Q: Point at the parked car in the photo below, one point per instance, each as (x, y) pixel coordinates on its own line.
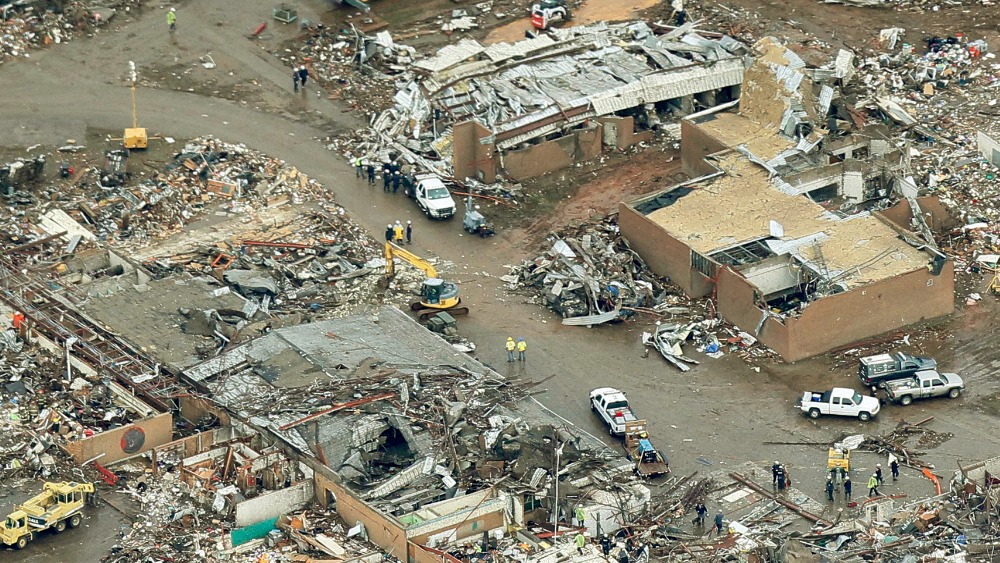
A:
(613, 408)
(839, 401)
(878, 369)
(924, 385)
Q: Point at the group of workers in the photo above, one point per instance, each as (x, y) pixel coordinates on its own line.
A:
(701, 512)
(396, 232)
(392, 174)
(521, 346)
(781, 480)
(780, 477)
(625, 552)
(299, 76)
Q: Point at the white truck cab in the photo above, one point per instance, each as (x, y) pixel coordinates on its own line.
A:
(433, 197)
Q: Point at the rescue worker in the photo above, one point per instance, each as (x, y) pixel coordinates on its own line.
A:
(386, 178)
(398, 231)
(829, 489)
(295, 80)
(521, 347)
(774, 473)
(172, 20)
(718, 522)
(409, 232)
(388, 233)
(359, 168)
(781, 477)
(701, 512)
(873, 486)
(371, 174)
(580, 542)
(847, 488)
(878, 472)
(396, 179)
(303, 75)
(605, 545)
(894, 467)
(510, 349)
(580, 515)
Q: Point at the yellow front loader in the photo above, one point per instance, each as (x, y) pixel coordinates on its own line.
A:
(58, 505)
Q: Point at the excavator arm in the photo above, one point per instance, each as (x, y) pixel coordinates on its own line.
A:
(392, 251)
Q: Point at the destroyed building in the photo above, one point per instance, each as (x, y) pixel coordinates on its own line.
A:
(419, 442)
(782, 227)
(541, 104)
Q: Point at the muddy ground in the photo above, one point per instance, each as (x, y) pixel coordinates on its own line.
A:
(720, 414)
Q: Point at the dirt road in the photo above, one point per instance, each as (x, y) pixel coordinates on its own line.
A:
(719, 414)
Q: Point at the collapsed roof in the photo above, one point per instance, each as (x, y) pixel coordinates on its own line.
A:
(530, 88)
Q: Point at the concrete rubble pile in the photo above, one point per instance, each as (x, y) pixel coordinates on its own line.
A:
(591, 276)
(133, 214)
(940, 93)
(189, 514)
(40, 411)
(26, 26)
(313, 264)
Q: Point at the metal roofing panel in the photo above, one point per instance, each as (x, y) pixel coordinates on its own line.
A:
(669, 85)
(451, 55)
(503, 51)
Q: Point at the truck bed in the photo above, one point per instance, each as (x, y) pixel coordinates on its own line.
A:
(652, 469)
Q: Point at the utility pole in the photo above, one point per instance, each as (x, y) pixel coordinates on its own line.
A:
(555, 510)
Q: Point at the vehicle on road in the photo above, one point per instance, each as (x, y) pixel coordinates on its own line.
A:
(58, 505)
(877, 370)
(839, 401)
(436, 295)
(613, 408)
(925, 384)
(431, 195)
(649, 462)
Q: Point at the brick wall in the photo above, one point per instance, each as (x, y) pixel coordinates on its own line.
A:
(470, 156)
(549, 156)
(663, 254)
(844, 318)
(121, 443)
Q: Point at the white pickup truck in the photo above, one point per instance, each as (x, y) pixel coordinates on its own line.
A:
(432, 196)
(613, 408)
(839, 401)
(923, 385)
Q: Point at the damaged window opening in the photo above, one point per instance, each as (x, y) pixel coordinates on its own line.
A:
(824, 194)
(743, 254)
(703, 265)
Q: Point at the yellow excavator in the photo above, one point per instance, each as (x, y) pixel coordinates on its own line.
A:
(436, 294)
(58, 505)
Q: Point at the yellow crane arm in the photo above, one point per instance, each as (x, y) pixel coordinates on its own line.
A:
(392, 251)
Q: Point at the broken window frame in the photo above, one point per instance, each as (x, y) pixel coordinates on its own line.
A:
(706, 266)
(741, 254)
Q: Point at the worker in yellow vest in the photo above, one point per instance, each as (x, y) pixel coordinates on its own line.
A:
(521, 347)
(510, 348)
